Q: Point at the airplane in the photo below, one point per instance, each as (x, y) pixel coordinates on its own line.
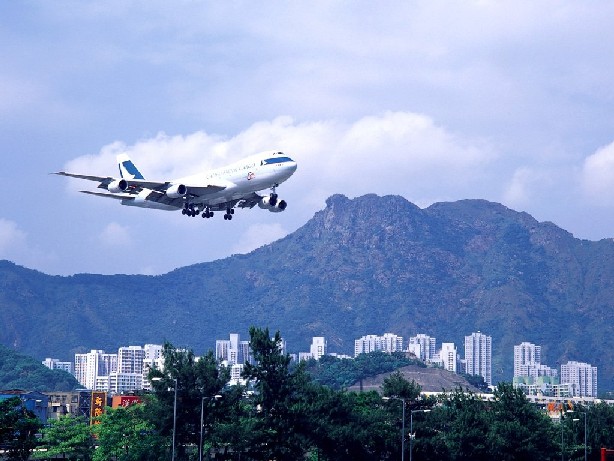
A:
(222, 189)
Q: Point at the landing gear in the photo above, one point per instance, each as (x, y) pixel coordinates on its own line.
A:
(207, 213)
(273, 196)
(189, 210)
(229, 213)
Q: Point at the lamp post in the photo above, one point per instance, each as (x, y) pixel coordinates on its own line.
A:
(584, 414)
(174, 414)
(174, 419)
(411, 429)
(202, 421)
(402, 425)
(562, 441)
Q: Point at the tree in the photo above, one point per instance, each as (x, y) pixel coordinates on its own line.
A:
(69, 437)
(396, 385)
(518, 428)
(508, 428)
(278, 421)
(127, 434)
(18, 428)
(195, 380)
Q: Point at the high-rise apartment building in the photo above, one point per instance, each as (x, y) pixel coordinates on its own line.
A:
(129, 373)
(92, 365)
(582, 378)
(423, 346)
(448, 356)
(526, 355)
(478, 356)
(130, 359)
(318, 347)
(530, 373)
(233, 350)
(55, 364)
(153, 359)
(389, 342)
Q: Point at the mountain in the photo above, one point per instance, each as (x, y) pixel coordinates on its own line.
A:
(360, 266)
(18, 371)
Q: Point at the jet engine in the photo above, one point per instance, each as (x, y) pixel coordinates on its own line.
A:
(176, 191)
(271, 203)
(117, 186)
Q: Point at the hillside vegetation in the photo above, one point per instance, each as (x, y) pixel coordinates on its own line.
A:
(360, 266)
(18, 371)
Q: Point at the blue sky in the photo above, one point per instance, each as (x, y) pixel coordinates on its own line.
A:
(435, 101)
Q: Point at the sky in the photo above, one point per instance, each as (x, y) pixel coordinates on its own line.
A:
(435, 101)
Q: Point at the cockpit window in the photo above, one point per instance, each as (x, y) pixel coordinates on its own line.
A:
(276, 160)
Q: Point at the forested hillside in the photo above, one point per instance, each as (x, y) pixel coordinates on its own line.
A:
(18, 371)
(363, 266)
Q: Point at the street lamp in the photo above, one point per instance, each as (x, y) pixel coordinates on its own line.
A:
(402, 426)
(584, 414)
(562, 441)
(411, 428)
(174, 414)
(202, 415)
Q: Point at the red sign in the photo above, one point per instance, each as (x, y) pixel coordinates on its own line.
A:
(125, 400)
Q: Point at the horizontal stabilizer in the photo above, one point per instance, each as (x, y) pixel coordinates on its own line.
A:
(109, 195)
(84, 176)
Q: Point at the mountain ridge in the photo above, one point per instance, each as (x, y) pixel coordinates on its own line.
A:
(360, 266)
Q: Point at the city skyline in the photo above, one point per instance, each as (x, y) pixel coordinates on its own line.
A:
(128, 368)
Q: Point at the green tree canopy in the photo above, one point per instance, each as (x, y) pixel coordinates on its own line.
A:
(69, 437)
(196, 383)
(18, 428)
(128, 434)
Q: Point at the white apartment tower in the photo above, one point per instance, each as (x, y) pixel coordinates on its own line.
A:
(526, 354)
(527, 362)
(153, 359)
(129, 373)
(478, 355)
(318, 347)
(426, 348)
(389, 342)
(233, 350)
(55, 364)
(582, 378)
(448, 356)
(92, 365)
(130, 359)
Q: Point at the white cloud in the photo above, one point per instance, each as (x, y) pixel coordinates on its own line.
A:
(12, 239)
(598, 175)
(521, 189)
(258, 235)
(395, 152)
(115, 234)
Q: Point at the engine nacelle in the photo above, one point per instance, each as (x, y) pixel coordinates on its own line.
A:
(176, 191)
(280, 206)
(272, 204)
(117, 186)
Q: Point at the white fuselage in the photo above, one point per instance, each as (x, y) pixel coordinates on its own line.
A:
(252, 174)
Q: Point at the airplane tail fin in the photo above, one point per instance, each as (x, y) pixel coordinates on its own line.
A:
(127, 169)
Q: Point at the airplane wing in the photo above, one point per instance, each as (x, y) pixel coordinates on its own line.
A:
(249, 201)
(137, 185)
